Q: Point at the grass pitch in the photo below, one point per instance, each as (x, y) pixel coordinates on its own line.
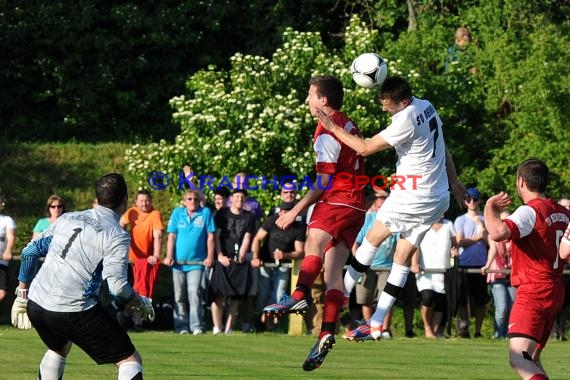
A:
(263, 356)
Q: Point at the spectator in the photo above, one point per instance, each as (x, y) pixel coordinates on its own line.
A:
(372, 283)
(503, 293)
(434, 259)
(53, 209)
(472, 241)
(272, 244)
(221, 196)
(454, 52)
(190, 248)
(146, 243)
(241, 181)
(289, 194)
(232, 275)
(7, 240)
(535, 229)
(251, 204)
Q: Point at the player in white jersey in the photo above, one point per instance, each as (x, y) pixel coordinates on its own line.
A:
(81, 249)
(424, 173)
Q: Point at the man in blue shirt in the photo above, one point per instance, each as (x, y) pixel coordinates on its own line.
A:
(189, 250)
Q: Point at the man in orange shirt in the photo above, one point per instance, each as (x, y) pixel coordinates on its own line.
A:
(146, 237)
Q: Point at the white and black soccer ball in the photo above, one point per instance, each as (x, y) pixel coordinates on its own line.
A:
(369, 70)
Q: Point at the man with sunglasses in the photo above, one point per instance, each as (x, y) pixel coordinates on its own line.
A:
(472, 241)
(190, 248)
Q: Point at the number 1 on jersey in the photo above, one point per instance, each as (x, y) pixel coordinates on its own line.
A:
(76, 232)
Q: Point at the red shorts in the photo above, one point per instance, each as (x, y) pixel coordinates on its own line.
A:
(535, 310)
(342, 222)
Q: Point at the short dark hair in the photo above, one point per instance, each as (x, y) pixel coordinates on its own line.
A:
(329, 87)
(535, 174)
(222, 191)
(243, 191)
(111, 190)
(396, 89)
(144, 192)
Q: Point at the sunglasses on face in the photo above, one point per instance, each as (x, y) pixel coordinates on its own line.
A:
(55, 206)
(469, 199)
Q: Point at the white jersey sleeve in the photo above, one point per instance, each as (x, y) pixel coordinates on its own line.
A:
(83, 248)
(524, 218)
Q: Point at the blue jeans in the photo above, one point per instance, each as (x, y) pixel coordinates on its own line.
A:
(503, 298)
(273, 283)
(188, 300)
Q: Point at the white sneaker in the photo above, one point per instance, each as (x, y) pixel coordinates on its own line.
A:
(183, 332)
(197, 332)
(216, 330)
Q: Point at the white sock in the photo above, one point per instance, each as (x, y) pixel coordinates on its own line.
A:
(364, 255)
(397, 277)
(128, 370)
(52, 366)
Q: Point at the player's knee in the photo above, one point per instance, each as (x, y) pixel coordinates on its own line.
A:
(518, 358)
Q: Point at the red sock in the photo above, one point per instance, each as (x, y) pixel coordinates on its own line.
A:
(334, 299)
(308, 272)
(538, 376)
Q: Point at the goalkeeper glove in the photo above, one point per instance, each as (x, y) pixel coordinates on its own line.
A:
(20, 310)
(142, 307)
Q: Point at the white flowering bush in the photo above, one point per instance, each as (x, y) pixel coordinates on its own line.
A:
(253, 118)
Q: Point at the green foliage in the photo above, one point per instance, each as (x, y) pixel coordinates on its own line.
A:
(104, 70)
(253, 118)
(502, 99)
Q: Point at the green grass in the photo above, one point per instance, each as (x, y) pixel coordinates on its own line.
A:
(264, 356)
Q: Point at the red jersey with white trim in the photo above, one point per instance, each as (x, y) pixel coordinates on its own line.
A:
(536, 230)
(342, 162)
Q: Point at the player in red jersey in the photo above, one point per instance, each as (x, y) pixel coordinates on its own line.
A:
(336, 219)
(535, 229)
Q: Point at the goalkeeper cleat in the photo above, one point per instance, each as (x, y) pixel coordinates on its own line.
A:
(287, 305)
(364, 332)
(319, 352)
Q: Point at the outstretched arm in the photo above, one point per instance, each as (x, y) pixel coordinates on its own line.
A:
(457, 187)
(498, 230)
(364, 147)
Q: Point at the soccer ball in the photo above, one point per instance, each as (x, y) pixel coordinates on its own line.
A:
(369, 70)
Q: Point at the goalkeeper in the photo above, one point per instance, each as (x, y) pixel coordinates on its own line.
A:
(81, 249)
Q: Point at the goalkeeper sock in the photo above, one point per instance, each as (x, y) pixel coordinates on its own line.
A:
(130, 371)
(51, 366)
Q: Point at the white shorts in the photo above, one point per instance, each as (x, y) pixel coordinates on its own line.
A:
(431, 281)
(412, 219)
